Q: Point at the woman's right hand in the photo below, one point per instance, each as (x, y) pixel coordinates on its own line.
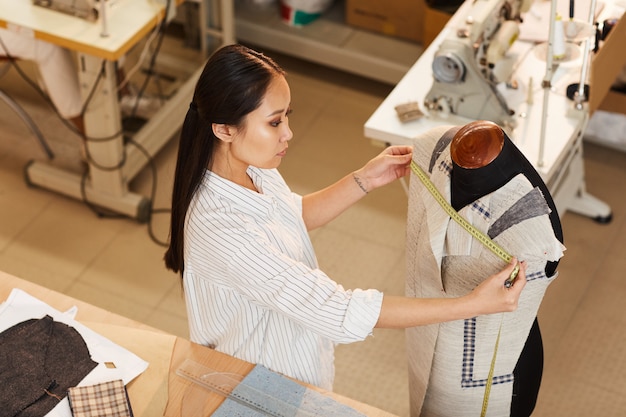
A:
(492, 295)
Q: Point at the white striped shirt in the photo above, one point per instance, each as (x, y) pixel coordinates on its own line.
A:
(252, 284)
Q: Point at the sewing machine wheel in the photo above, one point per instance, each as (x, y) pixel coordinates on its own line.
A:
(448, 68)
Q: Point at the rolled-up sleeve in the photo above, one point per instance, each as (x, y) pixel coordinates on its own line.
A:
(363, 312)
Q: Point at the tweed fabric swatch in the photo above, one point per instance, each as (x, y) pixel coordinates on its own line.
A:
(107, 399)
(39, 360)
(449, 363)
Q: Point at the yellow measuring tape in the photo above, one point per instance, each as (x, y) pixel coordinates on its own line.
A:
(485, 240)
(481, 237)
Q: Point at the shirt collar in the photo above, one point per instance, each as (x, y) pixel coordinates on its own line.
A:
(245, 199)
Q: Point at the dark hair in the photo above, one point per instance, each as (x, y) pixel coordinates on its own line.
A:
(232, 84)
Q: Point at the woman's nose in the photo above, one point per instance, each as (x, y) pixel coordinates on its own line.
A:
(288, 134)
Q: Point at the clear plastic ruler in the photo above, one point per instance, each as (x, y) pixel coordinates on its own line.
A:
(225, 383)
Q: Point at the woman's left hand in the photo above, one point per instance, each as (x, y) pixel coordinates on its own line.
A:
(391, 164)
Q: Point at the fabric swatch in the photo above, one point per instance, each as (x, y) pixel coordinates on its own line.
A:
(39, 360)
(107, 399)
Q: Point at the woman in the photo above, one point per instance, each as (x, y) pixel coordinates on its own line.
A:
(239, 235)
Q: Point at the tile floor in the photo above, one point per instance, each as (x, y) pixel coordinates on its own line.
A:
(113, 262)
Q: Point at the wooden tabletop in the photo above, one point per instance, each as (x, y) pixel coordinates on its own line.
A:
(128, 21)
(158, 391)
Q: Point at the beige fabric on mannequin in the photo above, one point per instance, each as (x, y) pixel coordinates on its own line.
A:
(449, 362)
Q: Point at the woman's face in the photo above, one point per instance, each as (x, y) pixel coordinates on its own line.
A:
(263, 140)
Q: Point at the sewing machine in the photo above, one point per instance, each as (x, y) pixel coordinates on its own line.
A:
(85, 9)
(469, 64)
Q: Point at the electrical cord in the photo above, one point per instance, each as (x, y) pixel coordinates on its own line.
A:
(150, 72)
(141, 59)
(99, 211)
(46, 98)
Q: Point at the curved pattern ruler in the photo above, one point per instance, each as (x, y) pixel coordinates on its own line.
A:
(231, 386)
(263, 393)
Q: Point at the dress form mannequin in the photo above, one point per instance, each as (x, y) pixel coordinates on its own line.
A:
(484, 159)
(489, 181)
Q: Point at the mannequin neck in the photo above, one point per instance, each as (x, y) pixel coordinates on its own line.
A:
(470, 184)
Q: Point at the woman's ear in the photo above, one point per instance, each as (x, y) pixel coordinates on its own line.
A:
(223, 132)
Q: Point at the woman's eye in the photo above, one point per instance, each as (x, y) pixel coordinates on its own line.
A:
(275, 123)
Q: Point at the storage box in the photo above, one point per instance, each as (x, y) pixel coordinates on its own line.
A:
(434, 21)
(605, 66)
(399, 18)
(614, 102)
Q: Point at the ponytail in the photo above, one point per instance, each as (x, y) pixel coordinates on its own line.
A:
(232, 84)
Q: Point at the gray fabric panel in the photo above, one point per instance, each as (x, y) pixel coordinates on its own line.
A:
(442, 144)
(531, 205)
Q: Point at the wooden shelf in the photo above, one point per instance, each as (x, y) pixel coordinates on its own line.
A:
(328, 41)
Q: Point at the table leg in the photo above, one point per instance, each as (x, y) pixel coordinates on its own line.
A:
(569, 191)
(104, 184)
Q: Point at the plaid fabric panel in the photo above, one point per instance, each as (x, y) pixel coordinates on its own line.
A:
(469, 349)
(446, 166)
(108, 399)
(481, 209)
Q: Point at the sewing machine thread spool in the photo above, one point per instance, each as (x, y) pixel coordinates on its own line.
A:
(558, 45)
(103, 18)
